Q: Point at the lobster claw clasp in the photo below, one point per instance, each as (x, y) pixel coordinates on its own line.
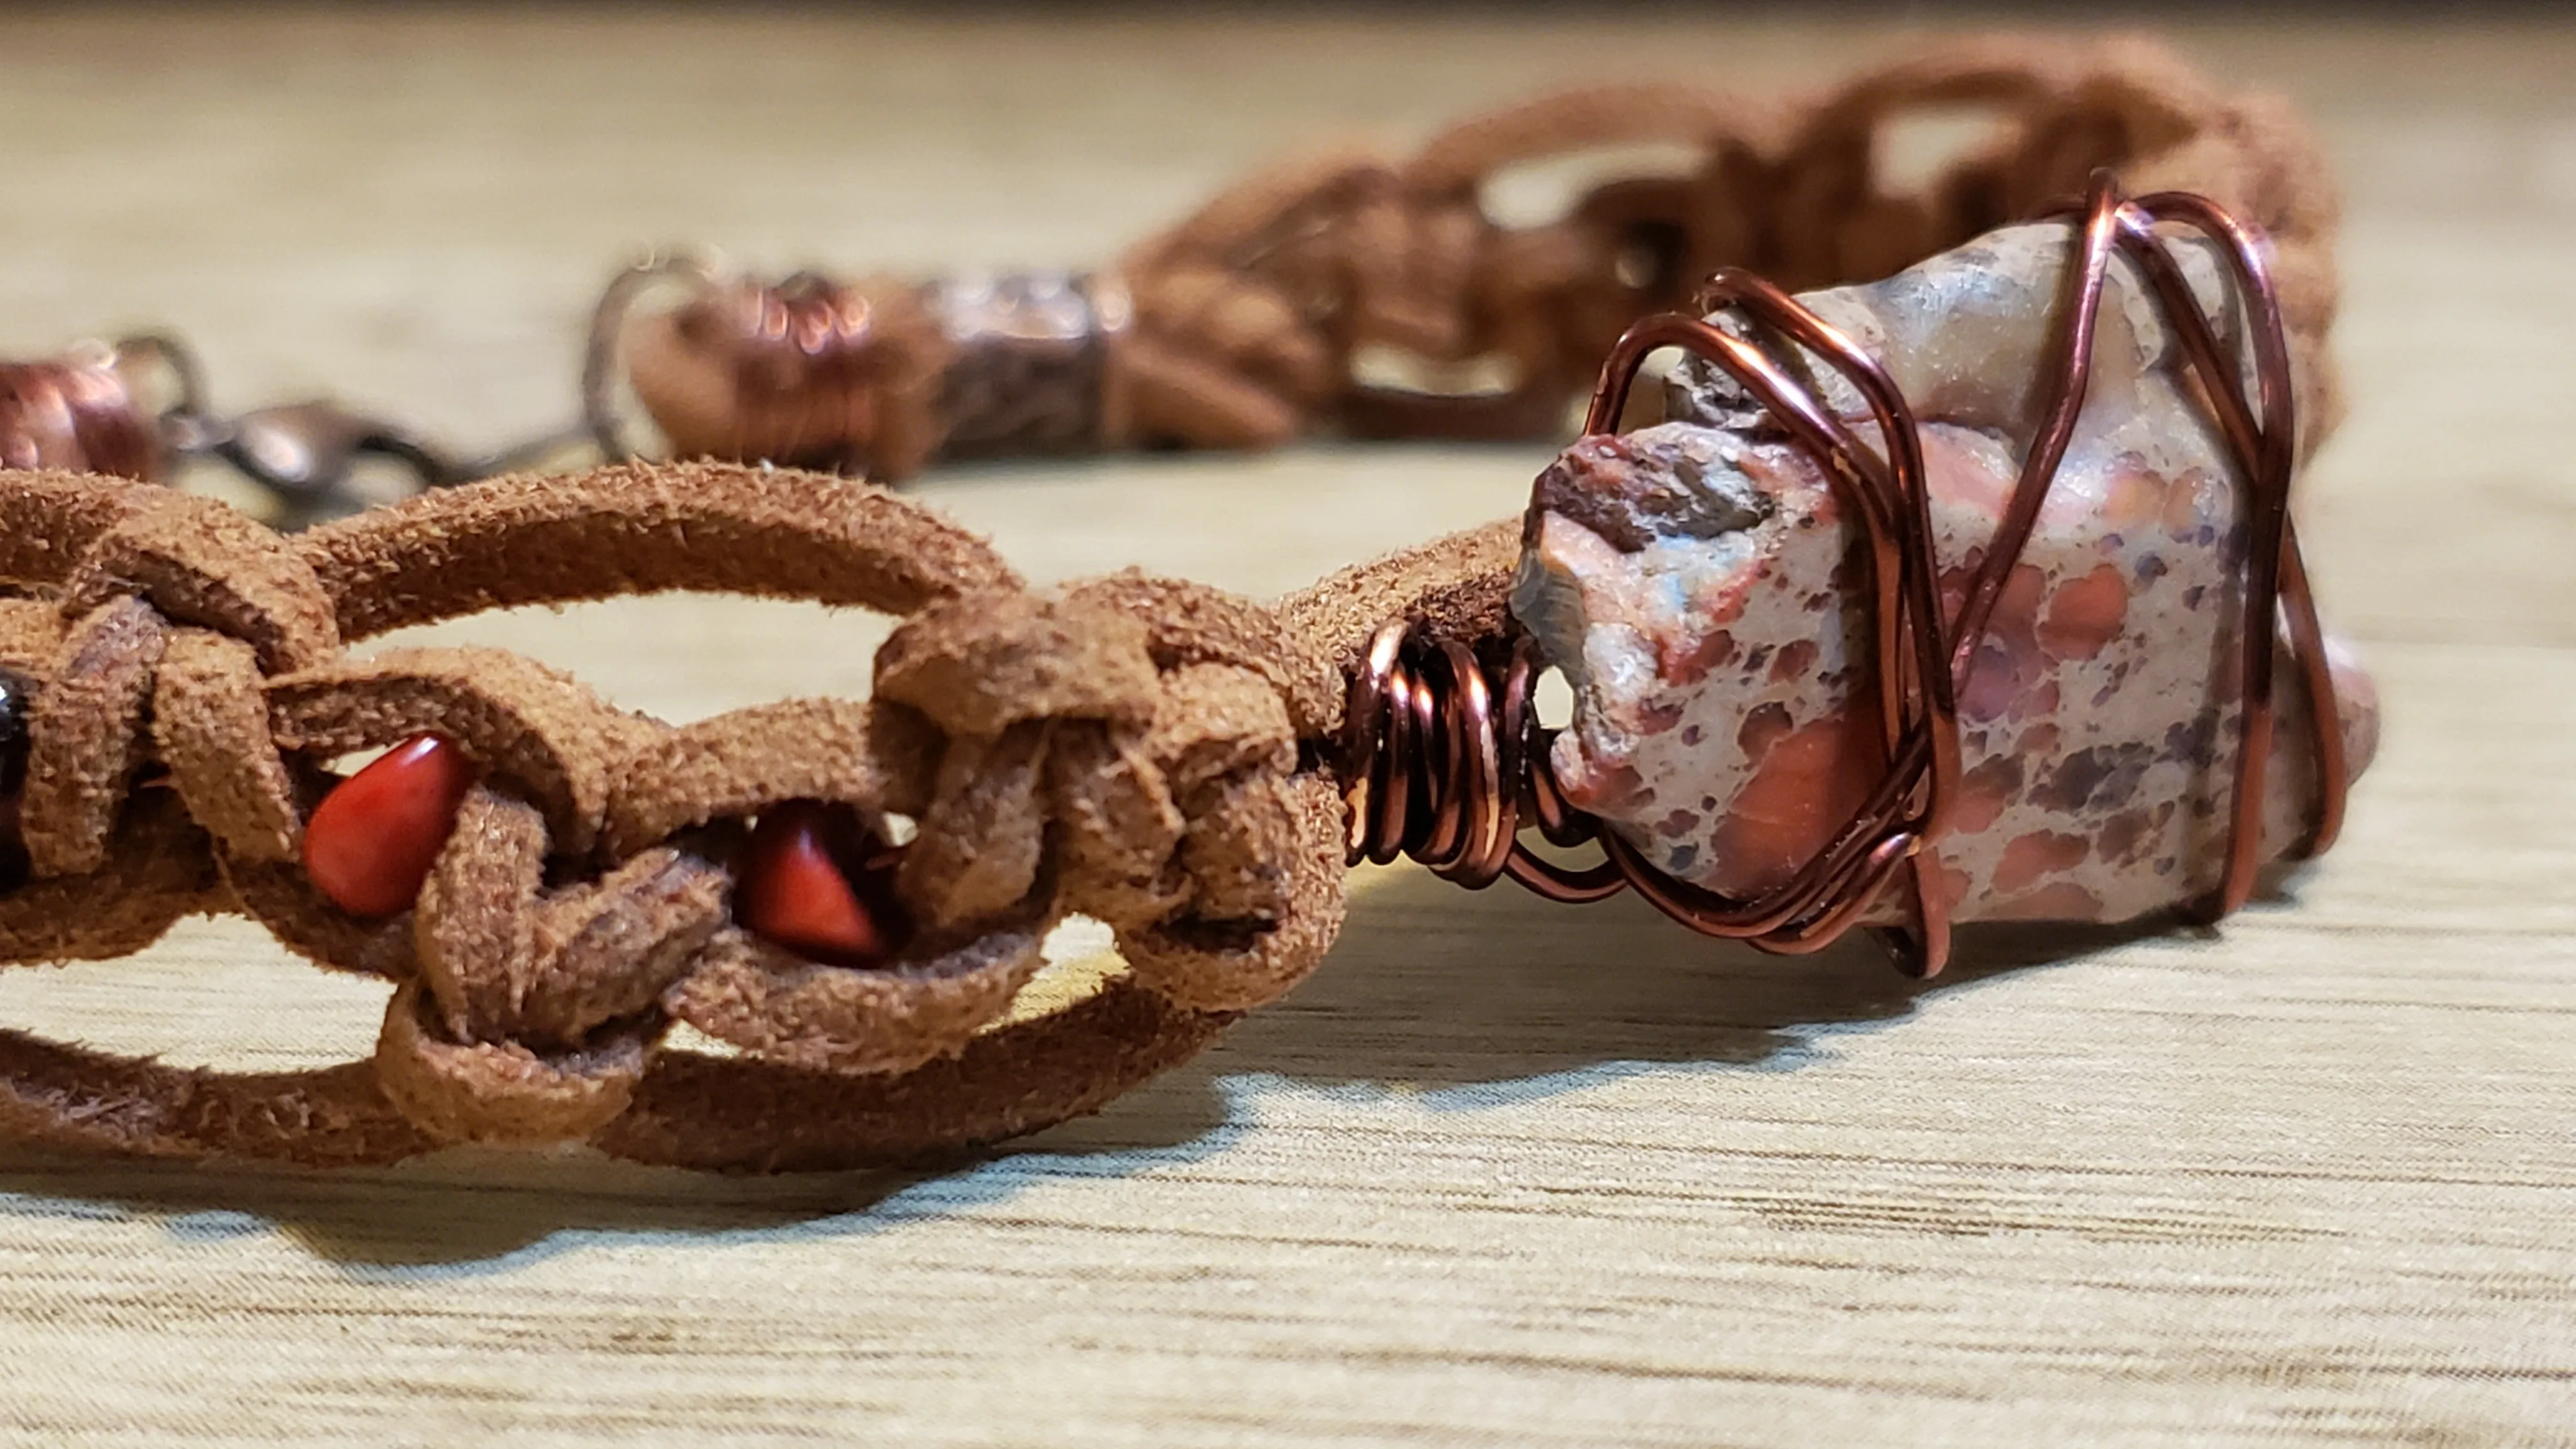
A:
(309, 449)
(307, 456)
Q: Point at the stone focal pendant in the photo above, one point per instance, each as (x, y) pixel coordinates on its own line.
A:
(1695, 581)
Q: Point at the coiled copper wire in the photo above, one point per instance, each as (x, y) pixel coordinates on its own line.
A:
(1443, 754)
(804, 361)
(76, 412)
(799, 360)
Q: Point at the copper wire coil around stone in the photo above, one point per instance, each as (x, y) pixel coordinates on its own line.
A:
(1440, 755)
(1434, 756)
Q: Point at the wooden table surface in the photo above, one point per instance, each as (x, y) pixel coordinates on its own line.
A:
(1501, 1173)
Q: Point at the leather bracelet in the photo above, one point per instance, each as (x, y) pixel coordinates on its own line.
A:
(1901, 601)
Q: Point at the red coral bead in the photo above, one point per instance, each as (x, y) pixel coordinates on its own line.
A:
(372, 840)
(815, 881)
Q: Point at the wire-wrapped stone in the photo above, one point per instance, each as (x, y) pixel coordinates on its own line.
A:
(1697, 582)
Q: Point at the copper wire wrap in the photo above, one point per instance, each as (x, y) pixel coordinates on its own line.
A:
(1438, 291)
(1444, 756)
(805, 372)
(137, 408)
(77, 412)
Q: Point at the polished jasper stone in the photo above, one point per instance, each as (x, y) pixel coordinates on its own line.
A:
(1695, 581)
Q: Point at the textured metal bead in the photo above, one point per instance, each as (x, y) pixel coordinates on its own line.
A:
(1028, 369)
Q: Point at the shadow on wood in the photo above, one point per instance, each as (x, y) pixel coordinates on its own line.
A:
(1469, 1000)
(1498, 995)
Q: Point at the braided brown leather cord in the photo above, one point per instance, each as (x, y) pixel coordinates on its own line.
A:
(1149, 752)
(1248, 318)
(1126, 749)
(1272, 312)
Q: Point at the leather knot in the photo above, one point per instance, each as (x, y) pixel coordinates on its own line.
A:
(977, 665)
(201, 564)
(536, 1011)
(465, 1091)
(169, 616)
(1136, 738)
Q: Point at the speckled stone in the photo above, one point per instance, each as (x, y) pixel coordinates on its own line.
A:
(1694, 581)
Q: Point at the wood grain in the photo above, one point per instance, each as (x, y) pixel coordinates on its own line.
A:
(1502, 1173)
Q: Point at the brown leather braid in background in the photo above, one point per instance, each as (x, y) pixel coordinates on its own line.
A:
(1149, 752)
(1252, 323)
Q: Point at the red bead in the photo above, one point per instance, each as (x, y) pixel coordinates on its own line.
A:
(372, 840)
(815, 881)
